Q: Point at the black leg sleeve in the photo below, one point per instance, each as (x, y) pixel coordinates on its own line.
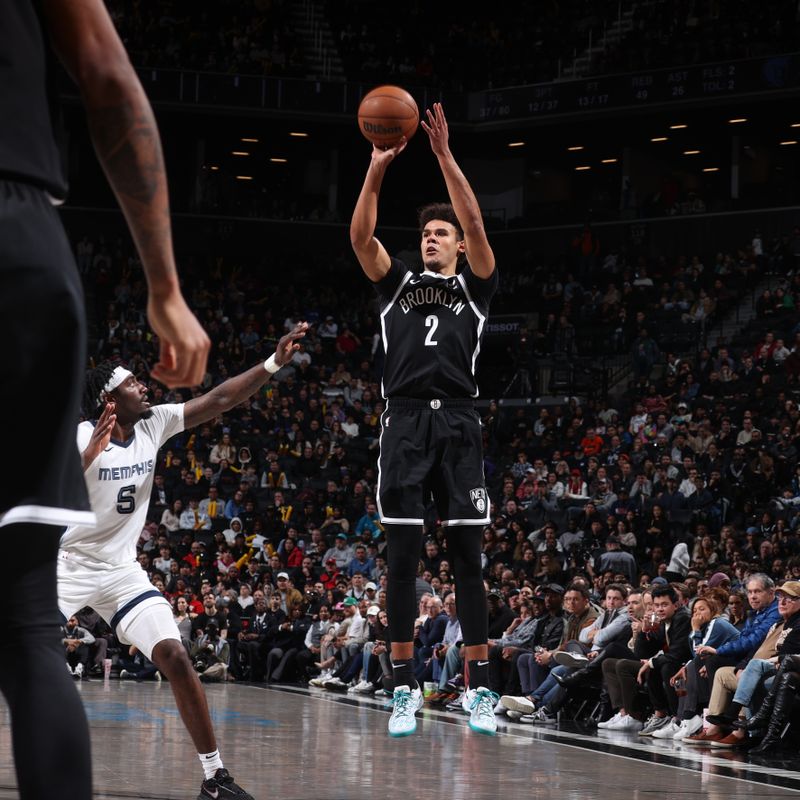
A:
(48, 722)
(464, 550)
(404, 544)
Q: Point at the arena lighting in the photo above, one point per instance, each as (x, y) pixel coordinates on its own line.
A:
(582, 169)
(279, 160)
(691, 152)
(659, 139)
(609, 161)
(516, 144)
(678, 127)
(243, 139)
(244, 177)
(239, 153)
(710, 169)
(789, 141)
(215, 169)
(796, 124)
(298, 134)
(575, 148)
(736, 121)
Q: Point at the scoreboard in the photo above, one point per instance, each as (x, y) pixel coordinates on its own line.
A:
(700, 82)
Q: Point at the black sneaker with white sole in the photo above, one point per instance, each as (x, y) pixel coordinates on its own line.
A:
(222, 787)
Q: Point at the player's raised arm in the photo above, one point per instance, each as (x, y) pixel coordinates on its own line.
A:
(370, 252)
(237, 389)
(127, 142)
(465, 204)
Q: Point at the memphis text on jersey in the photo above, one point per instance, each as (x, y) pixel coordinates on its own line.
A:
(123, 473)
(428, 296)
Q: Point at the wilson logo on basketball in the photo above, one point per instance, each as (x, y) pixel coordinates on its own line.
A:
(478, 497)
(371, 127)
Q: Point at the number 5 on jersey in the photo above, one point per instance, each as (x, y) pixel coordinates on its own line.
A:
(432, 322)
(126, 500)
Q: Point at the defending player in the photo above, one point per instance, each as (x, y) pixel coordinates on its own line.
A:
(432, 324)
(97, 565)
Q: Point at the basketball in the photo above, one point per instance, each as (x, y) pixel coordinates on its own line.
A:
(386, 114)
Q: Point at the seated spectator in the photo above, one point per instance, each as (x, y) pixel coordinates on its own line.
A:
(76, 641)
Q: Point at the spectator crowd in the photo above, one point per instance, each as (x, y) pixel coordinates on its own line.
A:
(642, 551)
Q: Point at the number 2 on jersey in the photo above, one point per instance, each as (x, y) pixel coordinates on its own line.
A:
(126, 501)
(432, 322)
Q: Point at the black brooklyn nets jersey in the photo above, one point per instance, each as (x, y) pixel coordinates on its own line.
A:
(432, 327)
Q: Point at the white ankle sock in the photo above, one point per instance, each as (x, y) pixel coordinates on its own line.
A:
(211, 763)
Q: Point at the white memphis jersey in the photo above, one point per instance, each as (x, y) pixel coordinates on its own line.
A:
(120, 481)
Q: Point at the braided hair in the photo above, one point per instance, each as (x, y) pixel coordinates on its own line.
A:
(96, 379)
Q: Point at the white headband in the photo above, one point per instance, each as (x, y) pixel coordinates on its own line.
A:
(117, 377)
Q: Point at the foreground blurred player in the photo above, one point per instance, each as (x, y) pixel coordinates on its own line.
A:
(97, 565)
(431, 444)
(43, 330)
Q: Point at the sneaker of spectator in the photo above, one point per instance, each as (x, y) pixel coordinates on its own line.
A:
(543, 716)
(653, 724)
(456, 705)
(567, 659)
(521, 704)
(609, 723)
(667, 731)
(627, 724)
(688, 727)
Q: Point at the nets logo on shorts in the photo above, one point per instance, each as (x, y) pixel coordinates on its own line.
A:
(478, 497)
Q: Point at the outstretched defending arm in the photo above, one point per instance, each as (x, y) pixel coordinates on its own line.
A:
(462, 198)
(237, 389)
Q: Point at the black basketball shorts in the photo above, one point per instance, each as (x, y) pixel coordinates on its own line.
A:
(431, 449)
(43, 331)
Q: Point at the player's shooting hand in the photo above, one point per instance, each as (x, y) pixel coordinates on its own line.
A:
(183, 344)
(382, 157)
(287, 346)
(101, 435)
(436, 128)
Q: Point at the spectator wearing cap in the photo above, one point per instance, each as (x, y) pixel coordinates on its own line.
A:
(340, 551)
(371, 592)
(549, 694)
(351, 636)
(548, 635)
(360, 563)
(719, 580)
(330, 574)
(500, 615)
(290, 598)
(577, 492)
(617, 560)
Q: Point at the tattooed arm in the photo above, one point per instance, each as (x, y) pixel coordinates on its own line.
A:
(126, 139)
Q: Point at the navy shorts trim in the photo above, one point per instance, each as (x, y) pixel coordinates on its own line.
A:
(131, 604)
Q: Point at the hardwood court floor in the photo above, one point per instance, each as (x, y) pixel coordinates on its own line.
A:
(287, 743)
